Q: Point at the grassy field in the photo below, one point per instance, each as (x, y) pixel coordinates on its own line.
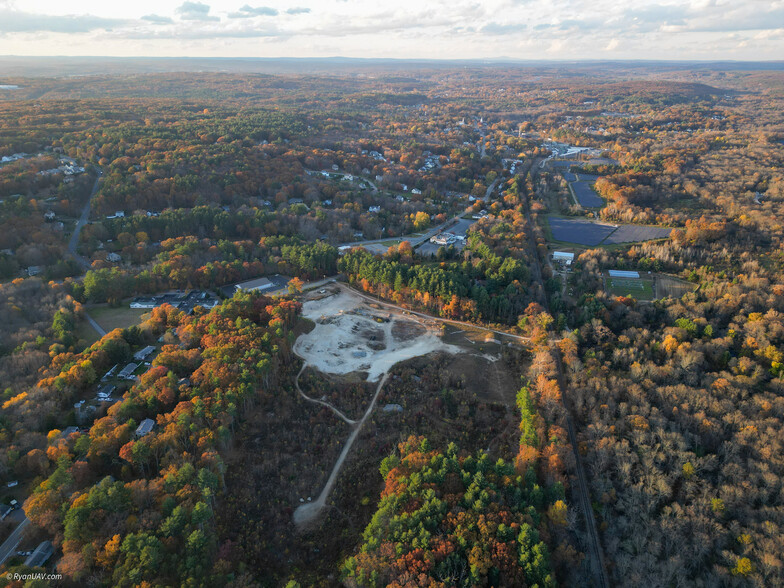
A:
(671, 286)
(86, 333)
(111, 318)
(635, 288)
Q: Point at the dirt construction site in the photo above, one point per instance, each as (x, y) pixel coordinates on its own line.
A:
(352, 336)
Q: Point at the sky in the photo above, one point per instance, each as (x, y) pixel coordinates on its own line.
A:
(430, 29)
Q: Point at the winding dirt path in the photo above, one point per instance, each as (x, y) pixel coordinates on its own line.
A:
(316, 401)
(307, 513)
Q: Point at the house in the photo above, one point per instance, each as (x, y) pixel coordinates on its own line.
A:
(5, 510)
(392, 408)
(12, 483)
(127, 371)
(111, 372)
(416, 191)
(33, 270)
(41, 555)
(68, 431)
(113, 257)
(49, 215)
(143, 354)
(105, 392)
(259, 284)
(140, 302)
(145, 427)
(374, 209)
(335, 168)
(563, 257)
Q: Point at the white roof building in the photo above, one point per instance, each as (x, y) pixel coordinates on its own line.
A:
(143, 354)
(145, 427)
(623, 274)
(260, 284)
(564, 257)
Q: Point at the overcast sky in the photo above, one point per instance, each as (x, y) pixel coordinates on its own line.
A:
(441, 29)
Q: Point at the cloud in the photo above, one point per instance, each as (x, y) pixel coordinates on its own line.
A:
(251, 12)
(195, 11)
(12, 21)
(494, 28)
(298, 10)
(155, 19)
(205, 33)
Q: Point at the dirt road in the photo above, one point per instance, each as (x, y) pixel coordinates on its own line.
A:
(310, 511)
(316, 401)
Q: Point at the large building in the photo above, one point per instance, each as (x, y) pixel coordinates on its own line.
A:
(563, 257)
(623, 274)
(260, 284)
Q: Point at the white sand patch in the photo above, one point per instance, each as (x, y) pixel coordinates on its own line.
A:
(352, 336)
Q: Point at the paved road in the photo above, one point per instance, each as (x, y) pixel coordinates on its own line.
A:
(8, 548)
(74, 241)
(98, 328)
(490, 189)
(415, 240)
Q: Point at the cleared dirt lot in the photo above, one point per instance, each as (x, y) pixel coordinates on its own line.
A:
(352, 336)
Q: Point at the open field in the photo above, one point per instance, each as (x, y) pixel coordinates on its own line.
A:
(639, 289)
(631, 233)
(86, 333)
(668, 286)
(111, 318)
(579, 231)
(586, 195)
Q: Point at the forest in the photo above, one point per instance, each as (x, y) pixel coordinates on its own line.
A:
(566, 432)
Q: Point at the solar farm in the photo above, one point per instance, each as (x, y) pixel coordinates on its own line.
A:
(586, 195)
(632, 233)
(584, 232)
(579, 231)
